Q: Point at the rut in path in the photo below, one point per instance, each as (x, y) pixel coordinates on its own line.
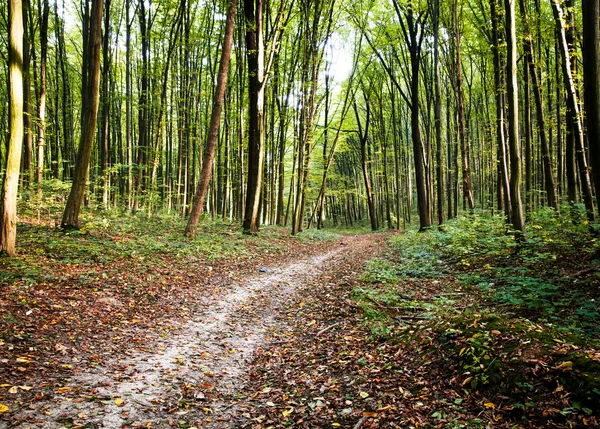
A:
(204, 365)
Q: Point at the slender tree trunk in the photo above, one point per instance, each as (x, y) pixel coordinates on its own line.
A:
(8, 215)
(504, 197)
(460, 105)
(215, 118)
(26, 159)
(44, 13)
(517, 219)
(549, 183)
(89, 111)
(104, 130)
(363, 136)
(591, 85)
(573, 106)
(438, 114)
(253, 11)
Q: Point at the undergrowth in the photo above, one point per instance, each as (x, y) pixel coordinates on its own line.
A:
(513, 317)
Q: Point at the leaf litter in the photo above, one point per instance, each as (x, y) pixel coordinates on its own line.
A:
(184, 370)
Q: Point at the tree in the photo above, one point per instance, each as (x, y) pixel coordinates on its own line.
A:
(573, 106)
(539, 108)
(8, 210)
(215, 118)
(89, 112)
(363, 140)
(517, 219)
(412, 23)
(41, 138)
(253, 11)
(591, 84)
(460, 104)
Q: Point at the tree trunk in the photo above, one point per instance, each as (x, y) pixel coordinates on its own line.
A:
(42, 104)
(215, 119)
(89, 111)
(460, 105)
(363, 136)
(253, 10)
(549, 184)
(438, 114)
(513, 119)
(26, 159)
(573, 106)
(8, 215)
(591, 85)
(504, 197)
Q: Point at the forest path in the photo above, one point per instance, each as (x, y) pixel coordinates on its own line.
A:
(194, 376)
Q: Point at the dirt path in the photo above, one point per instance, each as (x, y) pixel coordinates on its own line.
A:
(193, 377)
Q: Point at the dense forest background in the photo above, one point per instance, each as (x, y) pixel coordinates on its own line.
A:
(329, 112)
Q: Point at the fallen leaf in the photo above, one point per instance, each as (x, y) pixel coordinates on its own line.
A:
(13, 389)
(3, 408)
(364, 395)
(565, 366)
(119, 402)
(489, 405)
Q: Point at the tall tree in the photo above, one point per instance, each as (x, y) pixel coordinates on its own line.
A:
(591, 84)
(573, 105)
(89, 112)
(215, 119)
(438, 113)
(41, 137)
(253, 12)
(539, 108)
(363, 140)
(517, 219)
(413, 29)
(8, 215)
(460, 105)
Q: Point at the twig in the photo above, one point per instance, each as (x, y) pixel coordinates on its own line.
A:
(411, 317)
(585, 271)
(327, 329)
(359, 423)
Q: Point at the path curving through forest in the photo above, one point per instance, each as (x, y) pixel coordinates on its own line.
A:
(198, 373)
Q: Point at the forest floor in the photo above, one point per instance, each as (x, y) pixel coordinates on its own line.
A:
(107, 329)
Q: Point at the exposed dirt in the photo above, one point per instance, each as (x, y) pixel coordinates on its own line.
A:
(198, 373)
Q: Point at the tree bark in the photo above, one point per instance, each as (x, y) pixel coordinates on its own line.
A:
(8, 215)
(42, 103)
(363, 137)
(573, 106)
(591, 85)
(549, 183)
(460, 105)
(215, 119)
(517, 219)
(253, 10)
(438, 114)
(89, 111)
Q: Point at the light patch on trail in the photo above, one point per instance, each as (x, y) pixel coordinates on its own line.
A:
(203, 362)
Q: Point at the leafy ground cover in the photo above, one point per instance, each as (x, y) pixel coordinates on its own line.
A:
(466, 327)
(462, 328)
(75, 300)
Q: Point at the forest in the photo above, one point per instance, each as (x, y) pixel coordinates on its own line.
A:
(308, 213)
